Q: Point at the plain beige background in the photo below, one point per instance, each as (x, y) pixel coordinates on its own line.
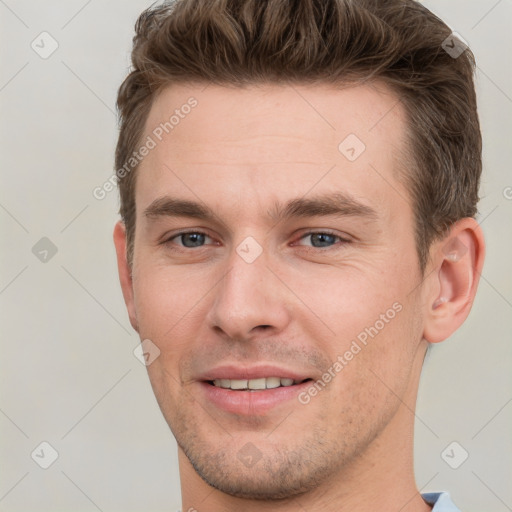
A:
(69, 376)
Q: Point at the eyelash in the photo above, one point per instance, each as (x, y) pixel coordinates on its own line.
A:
(341, 241)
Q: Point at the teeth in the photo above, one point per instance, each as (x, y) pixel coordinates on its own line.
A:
(273, 382)
(257, 383)
(238, 384)
(254, 384)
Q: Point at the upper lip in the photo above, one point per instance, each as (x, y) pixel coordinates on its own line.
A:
(252, 372)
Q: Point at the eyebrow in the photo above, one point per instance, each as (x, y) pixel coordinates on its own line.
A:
(334, 204)
(171, 207)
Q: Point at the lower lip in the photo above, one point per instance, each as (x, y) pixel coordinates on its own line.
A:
(251, 403)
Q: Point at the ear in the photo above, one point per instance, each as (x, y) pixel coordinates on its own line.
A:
(125, 275)
(457, 262)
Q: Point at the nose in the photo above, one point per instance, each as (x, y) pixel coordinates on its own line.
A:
(249, 299)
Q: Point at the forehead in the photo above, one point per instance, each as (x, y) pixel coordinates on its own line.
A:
(280, 138)
(320, 113)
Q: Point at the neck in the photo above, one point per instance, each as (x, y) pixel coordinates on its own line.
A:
(381, 478)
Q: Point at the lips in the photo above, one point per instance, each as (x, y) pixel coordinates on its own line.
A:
(252, 390)
(236, 377)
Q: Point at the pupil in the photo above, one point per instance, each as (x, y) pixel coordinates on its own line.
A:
(192, 239)
(322, 239)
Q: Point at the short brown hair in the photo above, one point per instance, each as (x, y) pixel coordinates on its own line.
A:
(244, 42)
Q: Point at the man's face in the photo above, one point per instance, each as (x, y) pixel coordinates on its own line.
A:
(273, 285)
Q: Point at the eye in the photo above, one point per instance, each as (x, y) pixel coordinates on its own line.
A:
(190, 239)
(321, 239)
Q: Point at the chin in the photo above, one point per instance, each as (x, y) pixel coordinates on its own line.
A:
(281, 475)
(262, 486)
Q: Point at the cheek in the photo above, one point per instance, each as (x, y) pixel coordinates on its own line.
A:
(166, 302)
(370, 323)
(375, 377)
(165, 297)
(347, 303)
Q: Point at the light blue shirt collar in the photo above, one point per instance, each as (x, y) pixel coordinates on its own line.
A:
(441, 501)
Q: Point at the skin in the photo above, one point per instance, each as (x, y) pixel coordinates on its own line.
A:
(298, 306)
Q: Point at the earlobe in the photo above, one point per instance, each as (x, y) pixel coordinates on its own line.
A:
(124, 271)
(458, 261)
